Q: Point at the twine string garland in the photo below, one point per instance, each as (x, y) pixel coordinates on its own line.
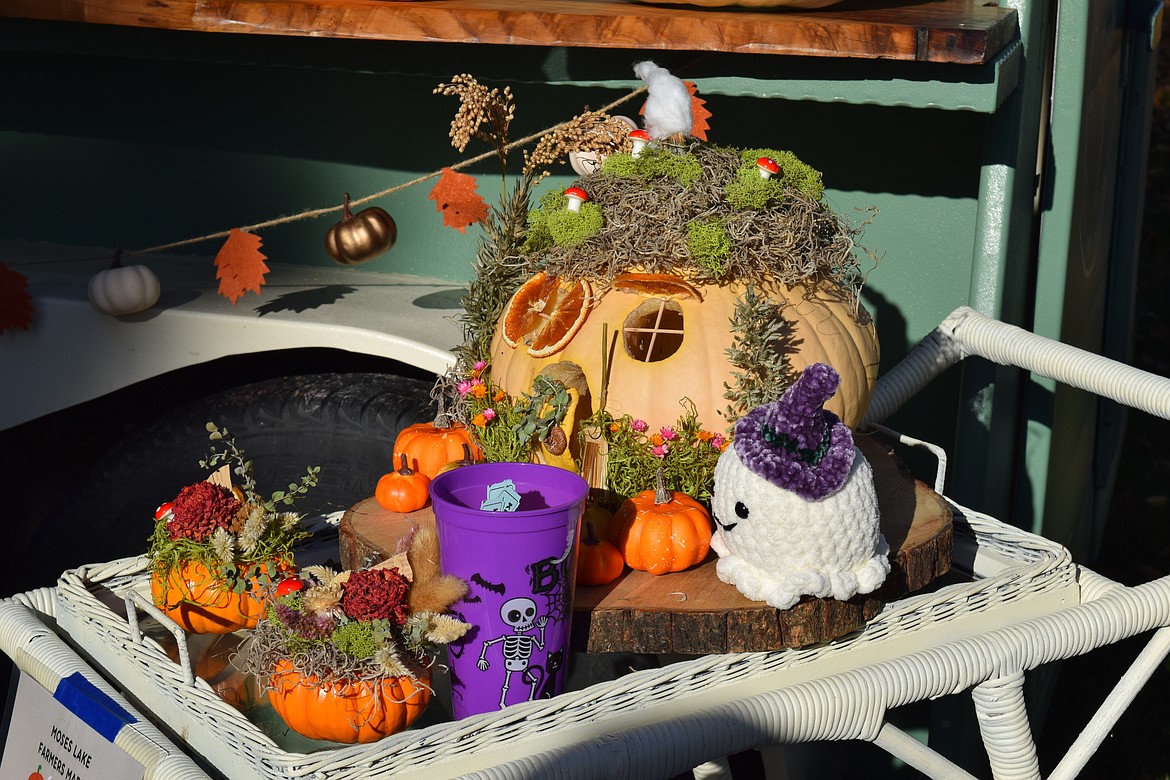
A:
(316, 213)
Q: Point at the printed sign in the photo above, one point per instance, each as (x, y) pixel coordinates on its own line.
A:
(68, 736)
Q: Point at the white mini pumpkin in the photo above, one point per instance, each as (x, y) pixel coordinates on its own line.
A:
(124, 289)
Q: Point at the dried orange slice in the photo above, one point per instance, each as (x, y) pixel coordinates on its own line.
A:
(656, 286)
(567, 317)
(545, 313)
(525, 313)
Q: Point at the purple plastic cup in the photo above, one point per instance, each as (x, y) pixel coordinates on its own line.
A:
(520, 567)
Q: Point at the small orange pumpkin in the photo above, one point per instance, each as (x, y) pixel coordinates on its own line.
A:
(349, 712)
(598, 561)
(661, 531)
(202, 603)
(431, 446)
(404, 490)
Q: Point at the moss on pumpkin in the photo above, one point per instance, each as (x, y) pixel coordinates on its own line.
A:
(749, 190)
(708, 243)
(552, 224)
(655, 163)
(357, 638)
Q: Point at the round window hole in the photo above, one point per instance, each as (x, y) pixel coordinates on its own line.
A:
(653, 331)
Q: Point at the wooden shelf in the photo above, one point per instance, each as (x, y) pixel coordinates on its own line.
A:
(967, 32)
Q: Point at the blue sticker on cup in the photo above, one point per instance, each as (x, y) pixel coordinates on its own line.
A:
(501, 497)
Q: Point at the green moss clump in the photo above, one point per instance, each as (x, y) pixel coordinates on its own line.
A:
(795, 174)
(656, 163)
(552, 224)
(708, 244)
(751, 192)
(620, 165)
(356, 638)
(569, 228)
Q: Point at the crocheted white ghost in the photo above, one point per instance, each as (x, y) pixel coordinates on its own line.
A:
(794, 503)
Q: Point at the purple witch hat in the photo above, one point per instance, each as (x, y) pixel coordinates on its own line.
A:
(794, 442)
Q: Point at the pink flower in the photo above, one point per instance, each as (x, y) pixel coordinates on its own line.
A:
(660, 451)
(480, 365)
(717, 441)
(669, 433)
(464, 387)
(639, 425)
(489, 414)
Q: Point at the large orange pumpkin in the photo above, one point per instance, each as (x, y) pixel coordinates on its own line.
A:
(429, 446)
(349, 712)
(673, 346)
(202, 603)
(661, 531)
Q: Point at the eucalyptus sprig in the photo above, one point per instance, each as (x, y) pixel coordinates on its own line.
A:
(243, 469)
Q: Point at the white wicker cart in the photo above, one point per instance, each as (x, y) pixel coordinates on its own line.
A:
(1018, 602)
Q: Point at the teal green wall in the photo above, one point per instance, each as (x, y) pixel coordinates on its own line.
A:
(131, 138)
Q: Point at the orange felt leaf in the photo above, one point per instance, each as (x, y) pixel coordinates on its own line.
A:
(240, 265)
(699, 113)
(16, 309)
(455, 196)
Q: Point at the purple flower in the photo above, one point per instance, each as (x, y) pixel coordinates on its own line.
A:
(639, 425)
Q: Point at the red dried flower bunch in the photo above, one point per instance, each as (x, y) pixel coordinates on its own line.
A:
(376, 594)
(201, 508)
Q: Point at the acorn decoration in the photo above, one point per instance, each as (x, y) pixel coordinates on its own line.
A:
(359, 238)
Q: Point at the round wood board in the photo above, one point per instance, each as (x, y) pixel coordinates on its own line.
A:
(692, 611)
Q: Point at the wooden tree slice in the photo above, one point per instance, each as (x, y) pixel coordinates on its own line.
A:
(694, 612)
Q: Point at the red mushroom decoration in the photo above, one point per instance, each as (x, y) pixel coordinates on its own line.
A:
(639, 138)
(576, 197)
(768, 167)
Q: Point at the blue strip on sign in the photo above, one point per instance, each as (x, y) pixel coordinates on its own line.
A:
(95, 707)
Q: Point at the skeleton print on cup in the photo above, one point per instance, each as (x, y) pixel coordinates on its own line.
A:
(520, 614)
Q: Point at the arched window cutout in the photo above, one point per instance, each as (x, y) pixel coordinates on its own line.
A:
(653, 331)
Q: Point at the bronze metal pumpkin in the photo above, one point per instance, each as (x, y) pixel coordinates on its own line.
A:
(360, 237)
(350, 712)
(673, 346)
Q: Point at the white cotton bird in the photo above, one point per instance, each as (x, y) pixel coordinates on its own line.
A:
(668, 106)
(794, 502)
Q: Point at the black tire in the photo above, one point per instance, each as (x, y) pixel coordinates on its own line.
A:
(344, 423)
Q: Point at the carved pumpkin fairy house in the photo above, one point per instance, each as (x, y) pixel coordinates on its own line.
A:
(678, 287)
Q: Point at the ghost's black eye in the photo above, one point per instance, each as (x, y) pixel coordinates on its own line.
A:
(741, 510)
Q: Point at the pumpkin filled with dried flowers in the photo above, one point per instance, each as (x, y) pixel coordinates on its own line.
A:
(348, 655)
(217, 546)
